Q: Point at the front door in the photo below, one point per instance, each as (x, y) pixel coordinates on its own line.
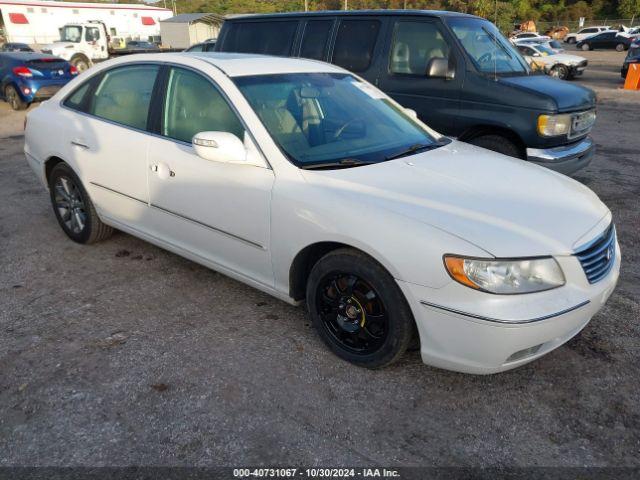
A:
(219, 212)
(414, 43)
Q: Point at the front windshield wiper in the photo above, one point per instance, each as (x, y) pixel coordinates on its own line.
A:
(344, 163)
(418, 147)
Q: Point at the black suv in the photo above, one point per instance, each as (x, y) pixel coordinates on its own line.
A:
(456, 71)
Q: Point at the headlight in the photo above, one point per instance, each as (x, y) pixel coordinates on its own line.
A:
(506, 276)
(554, 125)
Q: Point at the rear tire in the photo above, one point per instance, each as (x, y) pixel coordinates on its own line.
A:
(358, 309)
(571, 41)
(497, 143)
(14, 99)
(73, 208)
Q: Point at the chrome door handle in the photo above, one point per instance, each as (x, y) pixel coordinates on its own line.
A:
(79, 144)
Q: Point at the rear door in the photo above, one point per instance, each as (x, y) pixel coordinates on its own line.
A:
(272, 37)
(358, 45)
(412, 43)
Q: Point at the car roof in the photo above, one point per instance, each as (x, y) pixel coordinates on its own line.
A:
(24, 56)
(349, 13)
(245, 64)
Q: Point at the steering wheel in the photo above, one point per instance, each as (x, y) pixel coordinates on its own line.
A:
(485, 58)
(343, 127)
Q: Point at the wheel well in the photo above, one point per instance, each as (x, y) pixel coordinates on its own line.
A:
(49, 164)
(482, 130)
(304, 262)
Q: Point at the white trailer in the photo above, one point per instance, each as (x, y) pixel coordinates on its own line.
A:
(39, 21)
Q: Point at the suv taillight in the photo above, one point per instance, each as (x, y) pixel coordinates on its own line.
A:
(22, 72)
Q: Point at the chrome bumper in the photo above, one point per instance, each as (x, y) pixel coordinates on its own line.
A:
(565, 159)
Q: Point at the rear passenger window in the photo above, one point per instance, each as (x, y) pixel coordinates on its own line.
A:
(415, 44)
(77, 99)
(194, 105)
(355, 43)
(124, 95)
(314, 41)
(269, 38)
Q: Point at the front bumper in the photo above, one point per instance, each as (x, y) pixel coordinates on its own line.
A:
(474, 332)
(565, 159)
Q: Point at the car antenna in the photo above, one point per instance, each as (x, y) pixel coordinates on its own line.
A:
(495, 46)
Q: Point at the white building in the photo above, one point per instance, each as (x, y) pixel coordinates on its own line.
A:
(184, 30)
(38, 21)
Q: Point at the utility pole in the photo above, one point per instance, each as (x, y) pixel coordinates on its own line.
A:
(346, 6)
(306, 5)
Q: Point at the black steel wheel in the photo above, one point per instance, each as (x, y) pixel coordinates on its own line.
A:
(73, 207)
(358, 309)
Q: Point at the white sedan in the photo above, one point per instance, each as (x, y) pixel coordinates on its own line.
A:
(304, 181)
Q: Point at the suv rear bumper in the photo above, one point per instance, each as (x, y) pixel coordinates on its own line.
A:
(566, 158)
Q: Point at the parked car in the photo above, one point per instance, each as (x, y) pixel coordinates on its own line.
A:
(27, 77)
(327, 190)
(554, 45)
(206, 46)
(633, 56)
(585, 33)
(15, 47)
(606, 40)
(530, 35)
(559, 65)
(141, 45)
(457, 71)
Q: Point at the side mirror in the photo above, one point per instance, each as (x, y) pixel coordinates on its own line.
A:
(411, 112)
(219, 147)
(438, 67)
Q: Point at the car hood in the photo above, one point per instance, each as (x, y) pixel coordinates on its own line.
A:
(502, 205)
(567, 96)
(56, 46)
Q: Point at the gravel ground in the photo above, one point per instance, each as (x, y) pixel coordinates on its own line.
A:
(123, 354)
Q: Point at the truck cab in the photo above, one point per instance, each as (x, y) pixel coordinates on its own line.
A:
(81, 44)
(457, 71)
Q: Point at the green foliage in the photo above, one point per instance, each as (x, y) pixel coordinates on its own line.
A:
(628, 8)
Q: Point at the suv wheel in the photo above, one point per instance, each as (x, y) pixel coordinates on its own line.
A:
(13, 98)
(571, 40)
(497, 143)
(358, 309)
(73, 207)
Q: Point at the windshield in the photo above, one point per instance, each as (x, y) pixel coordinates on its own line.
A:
(71, 33)
(488, 49)
(545, 50)
(333, 119)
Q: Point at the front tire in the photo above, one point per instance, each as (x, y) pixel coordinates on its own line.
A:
(358, 309)
(81, 63)
(13, 98)
(585, 47)
(560, 71)
(497, 143)
(73, 208)
(620, 47)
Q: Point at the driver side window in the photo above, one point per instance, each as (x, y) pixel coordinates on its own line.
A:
(194, 105)
(414, 45)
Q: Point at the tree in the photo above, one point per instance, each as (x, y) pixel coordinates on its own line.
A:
(629, 8)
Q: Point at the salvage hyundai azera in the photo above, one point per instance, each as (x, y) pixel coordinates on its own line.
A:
(304, 181)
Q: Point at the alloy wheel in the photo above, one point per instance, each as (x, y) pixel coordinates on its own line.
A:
(70, 205)
(352, 312)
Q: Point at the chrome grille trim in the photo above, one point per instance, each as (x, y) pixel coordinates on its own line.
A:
(598, 256)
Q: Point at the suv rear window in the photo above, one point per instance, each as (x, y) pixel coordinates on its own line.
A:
(269, 38)
(355, 43)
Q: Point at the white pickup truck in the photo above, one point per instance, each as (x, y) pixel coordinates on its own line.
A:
(81, 44)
